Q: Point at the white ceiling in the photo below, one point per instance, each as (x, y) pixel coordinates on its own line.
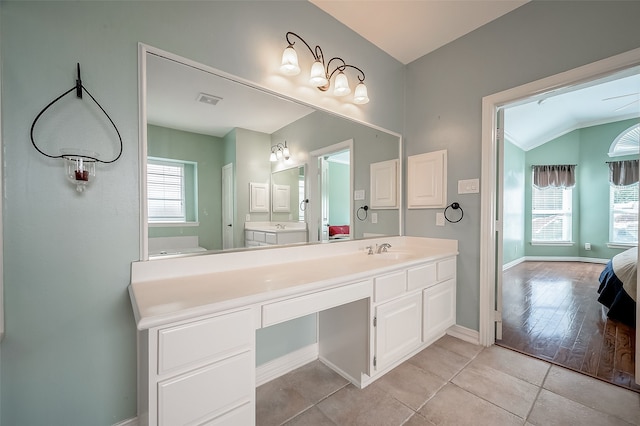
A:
(406, 30)
(409, 29)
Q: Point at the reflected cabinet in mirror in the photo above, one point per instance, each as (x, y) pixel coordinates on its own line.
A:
(231, 166)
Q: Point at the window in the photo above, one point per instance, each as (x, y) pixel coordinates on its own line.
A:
(626, 143)
(166, 190)
(551, 214)
(623, 220)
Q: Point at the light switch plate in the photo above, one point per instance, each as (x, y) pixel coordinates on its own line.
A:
(439, 219)
(469, 186)
(374, 217)
(358, 194)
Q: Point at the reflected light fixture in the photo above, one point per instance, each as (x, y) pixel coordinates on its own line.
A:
(279, 152)
(321, 73)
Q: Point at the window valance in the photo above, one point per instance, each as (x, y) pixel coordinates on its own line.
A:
(623, 173)
(556, 176)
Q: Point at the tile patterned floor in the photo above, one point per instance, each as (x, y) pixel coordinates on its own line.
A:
(452, 382)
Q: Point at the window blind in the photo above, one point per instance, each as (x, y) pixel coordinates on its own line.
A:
(165, 191)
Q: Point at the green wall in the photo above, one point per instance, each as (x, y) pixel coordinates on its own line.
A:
(513, 242)
(445, 89)
(339, 175)
(207, 152)
(587, 148)
(69, 352)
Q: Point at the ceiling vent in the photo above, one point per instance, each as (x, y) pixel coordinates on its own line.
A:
(208, 99)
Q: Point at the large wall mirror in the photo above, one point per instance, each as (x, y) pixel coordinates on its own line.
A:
(209, 179)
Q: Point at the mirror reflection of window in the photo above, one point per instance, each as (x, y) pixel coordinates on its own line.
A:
(170, 191)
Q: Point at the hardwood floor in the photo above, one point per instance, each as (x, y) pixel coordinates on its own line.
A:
(550, 311)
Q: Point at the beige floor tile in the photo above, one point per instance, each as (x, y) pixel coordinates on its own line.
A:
(594, 393)
(439, 361)
(315, 381)
(458, 346)
(367, 407)
(555, 410)
(276, 402)
(410, 384)
(514, 395)
(513, 363)
(418, 420)
(312, 417)
(453, 406)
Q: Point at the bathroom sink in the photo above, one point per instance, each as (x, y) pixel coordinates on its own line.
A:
(393, 255)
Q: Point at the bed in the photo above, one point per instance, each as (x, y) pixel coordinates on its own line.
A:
(618, 287)
(338, 232)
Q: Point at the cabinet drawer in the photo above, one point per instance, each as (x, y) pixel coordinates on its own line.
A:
(277, 312)
(259, 236)
(194, 342)
(388, 286)
(422, 276)
(270, 238)
(204, 394)
(446, 269)
(248, 235)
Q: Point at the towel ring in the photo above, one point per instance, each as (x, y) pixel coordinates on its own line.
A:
(454, 206)
(365, 208)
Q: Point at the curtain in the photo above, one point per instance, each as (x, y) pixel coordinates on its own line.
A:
(623, 173)
(557, 176)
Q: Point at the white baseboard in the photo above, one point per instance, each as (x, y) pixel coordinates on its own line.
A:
(289, 362)
(512, 263)
(128, 422)
(464, 333)
(553, 259)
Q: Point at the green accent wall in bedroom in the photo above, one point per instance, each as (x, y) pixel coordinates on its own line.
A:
(587, 148)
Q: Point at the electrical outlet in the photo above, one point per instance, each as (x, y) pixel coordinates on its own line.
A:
(439, 219)
(247, 218)
(358, 194)
(374, 217)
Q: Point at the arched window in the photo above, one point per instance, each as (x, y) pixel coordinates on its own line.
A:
(627, 142)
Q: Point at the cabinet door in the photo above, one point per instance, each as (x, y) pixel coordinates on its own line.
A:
(439, 310)
(384, 185)
(427, 180)
(398, 328)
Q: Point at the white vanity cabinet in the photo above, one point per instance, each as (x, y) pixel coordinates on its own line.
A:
(412, 308)
(186, 364)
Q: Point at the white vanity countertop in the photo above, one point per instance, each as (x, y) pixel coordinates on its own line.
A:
(163, 291)
(272, 226)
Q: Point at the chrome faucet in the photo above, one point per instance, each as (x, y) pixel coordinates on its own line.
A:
(382, 248)
(369, 249)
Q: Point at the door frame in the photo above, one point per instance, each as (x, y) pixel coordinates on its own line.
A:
(491, 172)
(228, 206)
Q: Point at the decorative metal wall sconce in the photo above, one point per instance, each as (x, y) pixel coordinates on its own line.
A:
(279, 152)
(80, 165)
(322, 73)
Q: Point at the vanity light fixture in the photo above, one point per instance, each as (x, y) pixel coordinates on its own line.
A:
(321, 73)
(79, 164)
(279, 152)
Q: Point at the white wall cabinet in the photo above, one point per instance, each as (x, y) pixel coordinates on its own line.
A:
(427, 180)
(281, 202)
(258, 197)
(384, 185)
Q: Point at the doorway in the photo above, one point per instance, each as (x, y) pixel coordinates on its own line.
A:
(333, 167)
(492, 224)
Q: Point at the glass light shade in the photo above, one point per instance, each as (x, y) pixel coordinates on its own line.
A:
(360, 96)
(273, 157)
(290, 62)
(279, 154)
(341, 85)
(318, 77)
(285, 153)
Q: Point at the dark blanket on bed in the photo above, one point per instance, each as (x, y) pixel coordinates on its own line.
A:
(621, 306)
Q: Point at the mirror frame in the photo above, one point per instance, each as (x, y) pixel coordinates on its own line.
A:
(143, 49)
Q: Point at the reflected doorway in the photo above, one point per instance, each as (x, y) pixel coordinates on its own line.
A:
(335, 172)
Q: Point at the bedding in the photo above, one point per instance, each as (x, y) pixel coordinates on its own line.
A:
(338, 231)
(618, 287)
